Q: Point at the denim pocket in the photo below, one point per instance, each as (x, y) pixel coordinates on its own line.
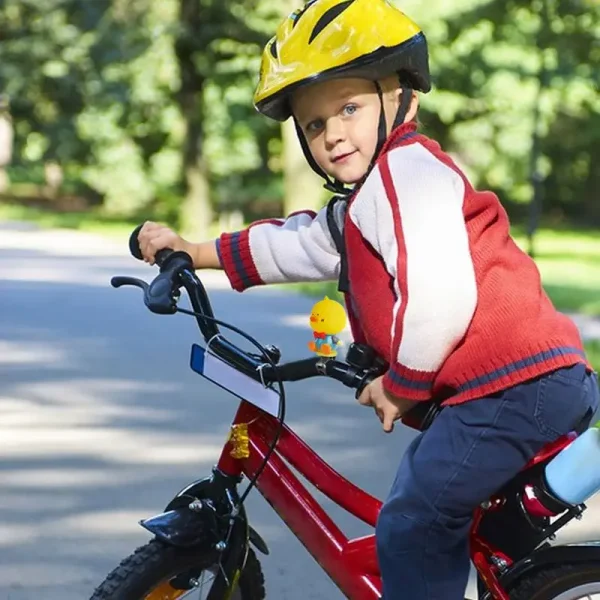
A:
(563, 399)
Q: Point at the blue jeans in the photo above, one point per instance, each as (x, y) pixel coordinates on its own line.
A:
(469, 452)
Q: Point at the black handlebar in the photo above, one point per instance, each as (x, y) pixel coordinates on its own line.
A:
(161, 295)
(177, 271)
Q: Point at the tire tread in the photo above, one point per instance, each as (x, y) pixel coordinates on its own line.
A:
(137, 571)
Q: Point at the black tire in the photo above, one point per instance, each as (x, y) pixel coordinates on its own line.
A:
(155, 563)
(548, 584)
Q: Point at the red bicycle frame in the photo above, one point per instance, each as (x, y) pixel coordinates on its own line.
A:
(350, 563)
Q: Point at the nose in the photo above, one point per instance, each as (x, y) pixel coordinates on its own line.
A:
(334, 131)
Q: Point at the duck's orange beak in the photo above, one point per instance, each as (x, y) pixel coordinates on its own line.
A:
(313, 319)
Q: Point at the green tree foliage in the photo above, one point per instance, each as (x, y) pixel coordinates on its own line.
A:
(226, 149)
(62, 65)
(506, 70)
(147, 106)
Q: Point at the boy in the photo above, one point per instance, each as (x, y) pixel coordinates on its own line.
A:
(433, 282)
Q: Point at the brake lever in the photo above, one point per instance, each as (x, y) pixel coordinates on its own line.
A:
(160, 296)
(120, 281)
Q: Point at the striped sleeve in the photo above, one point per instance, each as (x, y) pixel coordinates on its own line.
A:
(295, 249)
(412, 214)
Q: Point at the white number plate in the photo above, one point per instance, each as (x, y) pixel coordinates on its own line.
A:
(230, 379)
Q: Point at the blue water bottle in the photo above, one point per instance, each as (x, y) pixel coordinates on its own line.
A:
(573, 475)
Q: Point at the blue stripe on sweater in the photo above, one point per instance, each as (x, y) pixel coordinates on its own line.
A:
(237, 259)
(518, 366)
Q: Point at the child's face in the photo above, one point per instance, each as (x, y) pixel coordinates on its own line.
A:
(340, 120)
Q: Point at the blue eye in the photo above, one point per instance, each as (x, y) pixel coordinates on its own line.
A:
(314, 125)
(350, 109)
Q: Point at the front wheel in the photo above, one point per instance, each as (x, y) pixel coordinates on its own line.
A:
(580, 581)
(157, 572)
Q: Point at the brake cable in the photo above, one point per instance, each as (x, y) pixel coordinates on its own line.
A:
(278, 380)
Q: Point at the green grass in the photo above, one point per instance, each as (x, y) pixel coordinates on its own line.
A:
(89, 221)
(592, 349)
(569, 262)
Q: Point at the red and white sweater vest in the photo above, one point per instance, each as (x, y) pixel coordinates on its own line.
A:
(437, 286)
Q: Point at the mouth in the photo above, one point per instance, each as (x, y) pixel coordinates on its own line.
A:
(342, 157)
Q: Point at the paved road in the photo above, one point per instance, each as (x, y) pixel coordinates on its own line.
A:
(101, 420)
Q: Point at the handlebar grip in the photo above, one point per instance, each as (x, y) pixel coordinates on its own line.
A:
(134, 243)
(161, 295)
(161, 256)
(134, 248)
(422, 415)
(363, 383)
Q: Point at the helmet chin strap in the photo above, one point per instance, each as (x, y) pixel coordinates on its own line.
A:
(337, 187)
(382, 132)
(401, 113)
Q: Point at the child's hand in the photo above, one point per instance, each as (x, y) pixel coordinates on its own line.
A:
(154, 237)
(388, 408)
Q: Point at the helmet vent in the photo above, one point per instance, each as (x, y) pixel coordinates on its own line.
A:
(296, 16)
(273, 49)
(328, 17)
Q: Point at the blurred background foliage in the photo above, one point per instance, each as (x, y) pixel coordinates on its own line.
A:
(143, 108)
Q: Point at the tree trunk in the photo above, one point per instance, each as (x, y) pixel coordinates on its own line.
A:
(591, 207)
(54, 176)
(196, 213)
(303, 187)
(6, 149)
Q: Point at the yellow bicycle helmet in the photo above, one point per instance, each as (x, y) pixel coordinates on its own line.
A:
(339, 38)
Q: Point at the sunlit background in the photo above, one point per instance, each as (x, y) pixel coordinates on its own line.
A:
(115, 111)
